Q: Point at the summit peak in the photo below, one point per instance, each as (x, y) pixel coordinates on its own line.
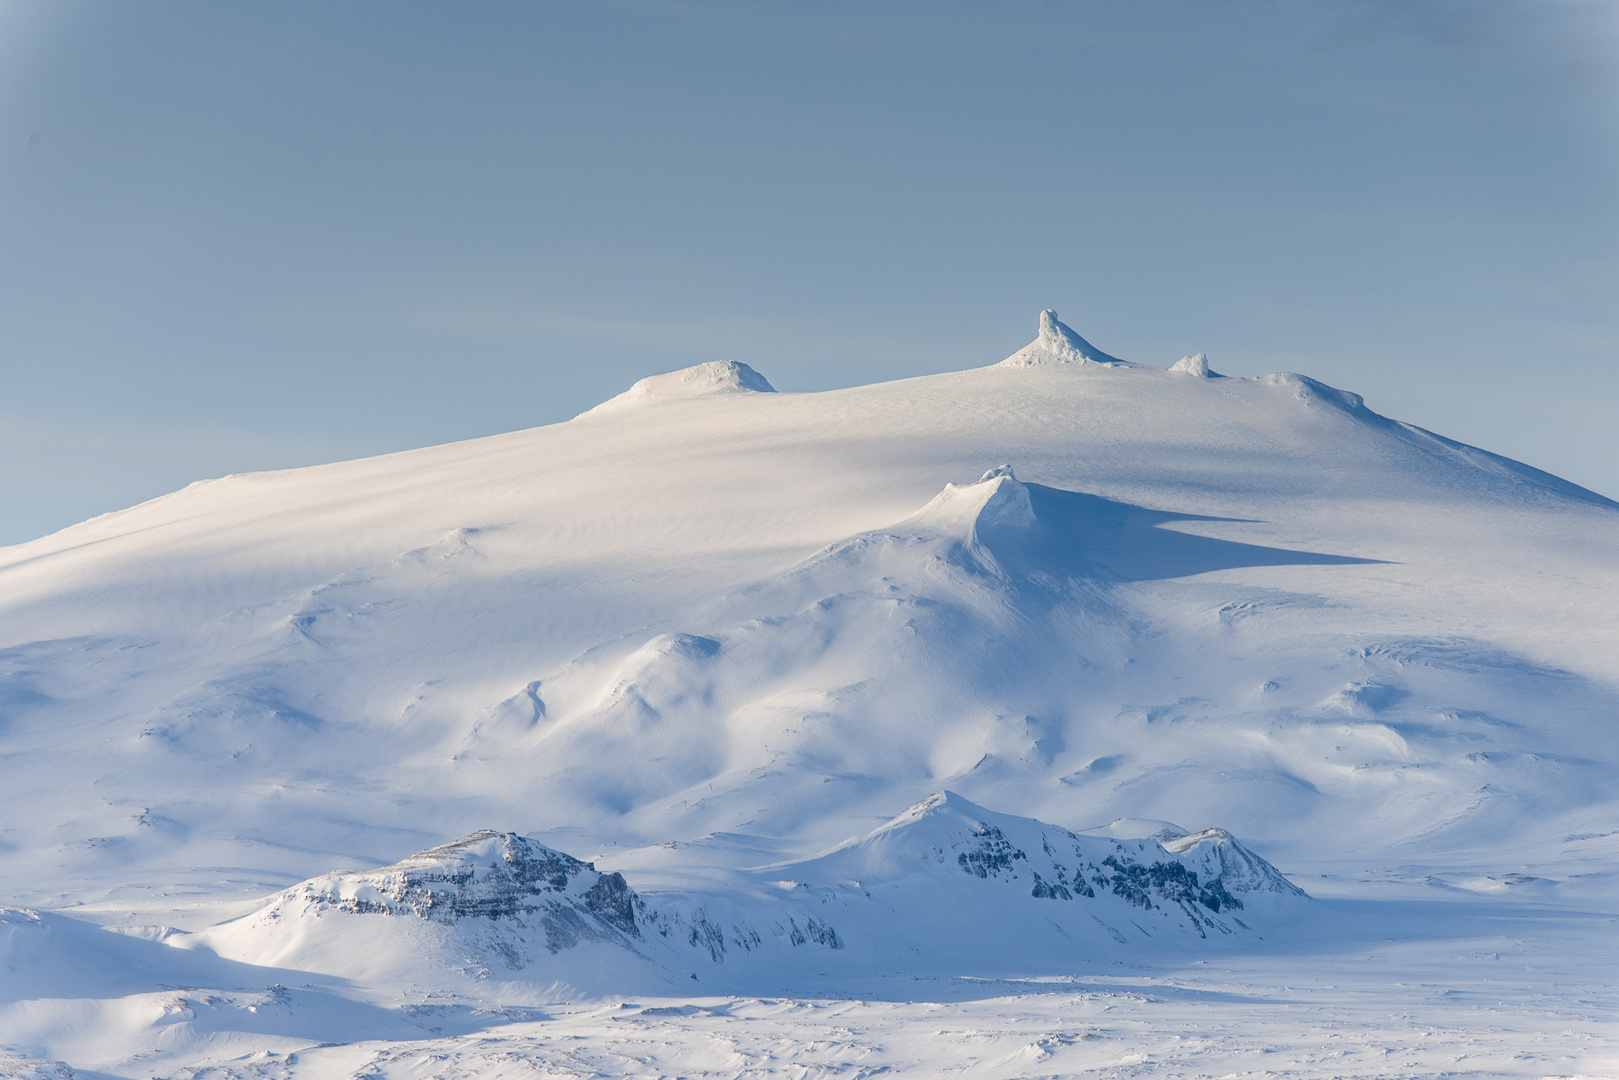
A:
(1056, 343)
(1054, 335)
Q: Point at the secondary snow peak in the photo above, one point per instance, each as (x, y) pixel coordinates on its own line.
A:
(997, 500)
(485, 899)
(947, 846)
(702, 380)
(1058, 344)
(1015, 530)
(487, 874)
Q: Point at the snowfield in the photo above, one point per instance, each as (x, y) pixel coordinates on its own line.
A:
(1067, 716)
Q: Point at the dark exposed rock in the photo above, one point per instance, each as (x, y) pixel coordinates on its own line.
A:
(1240, 869)
(814, 930)
(613, 902)
(705, 935)
(491, 875)
(1169, 881)
(1047, 890)
(993, 854)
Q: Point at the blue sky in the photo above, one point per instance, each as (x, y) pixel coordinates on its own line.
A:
(238, 237)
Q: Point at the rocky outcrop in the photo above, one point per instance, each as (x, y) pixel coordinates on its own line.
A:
(487, 875)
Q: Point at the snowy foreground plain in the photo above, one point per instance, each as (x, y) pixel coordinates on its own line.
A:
(1059, 717)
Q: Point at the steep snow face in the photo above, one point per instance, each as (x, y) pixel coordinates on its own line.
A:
(713, 377)
(1058, 344)
(997, 500)
(1218, 856)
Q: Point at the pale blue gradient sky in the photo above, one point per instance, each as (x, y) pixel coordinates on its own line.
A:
(238, 237)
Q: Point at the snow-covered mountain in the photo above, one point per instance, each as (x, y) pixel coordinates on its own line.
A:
(705, 632)
(946, 886)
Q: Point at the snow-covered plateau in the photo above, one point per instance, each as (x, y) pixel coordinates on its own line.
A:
(1066, 716)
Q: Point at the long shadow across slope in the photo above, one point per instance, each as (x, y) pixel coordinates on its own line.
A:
(1076, 534)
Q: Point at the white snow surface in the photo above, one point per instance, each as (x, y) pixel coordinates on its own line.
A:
(645, 690)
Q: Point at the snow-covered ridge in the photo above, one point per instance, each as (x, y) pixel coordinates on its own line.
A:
(513, 905)
(945, 832)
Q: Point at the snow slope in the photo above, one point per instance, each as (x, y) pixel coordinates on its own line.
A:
(707, 628)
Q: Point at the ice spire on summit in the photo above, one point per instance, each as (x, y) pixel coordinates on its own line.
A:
(1058, 344)
(1197, 364)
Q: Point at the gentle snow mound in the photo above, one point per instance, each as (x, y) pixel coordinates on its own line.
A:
(703, 380)
(1128, 828)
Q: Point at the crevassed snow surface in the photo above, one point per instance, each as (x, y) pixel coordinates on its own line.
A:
(1149, 654)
